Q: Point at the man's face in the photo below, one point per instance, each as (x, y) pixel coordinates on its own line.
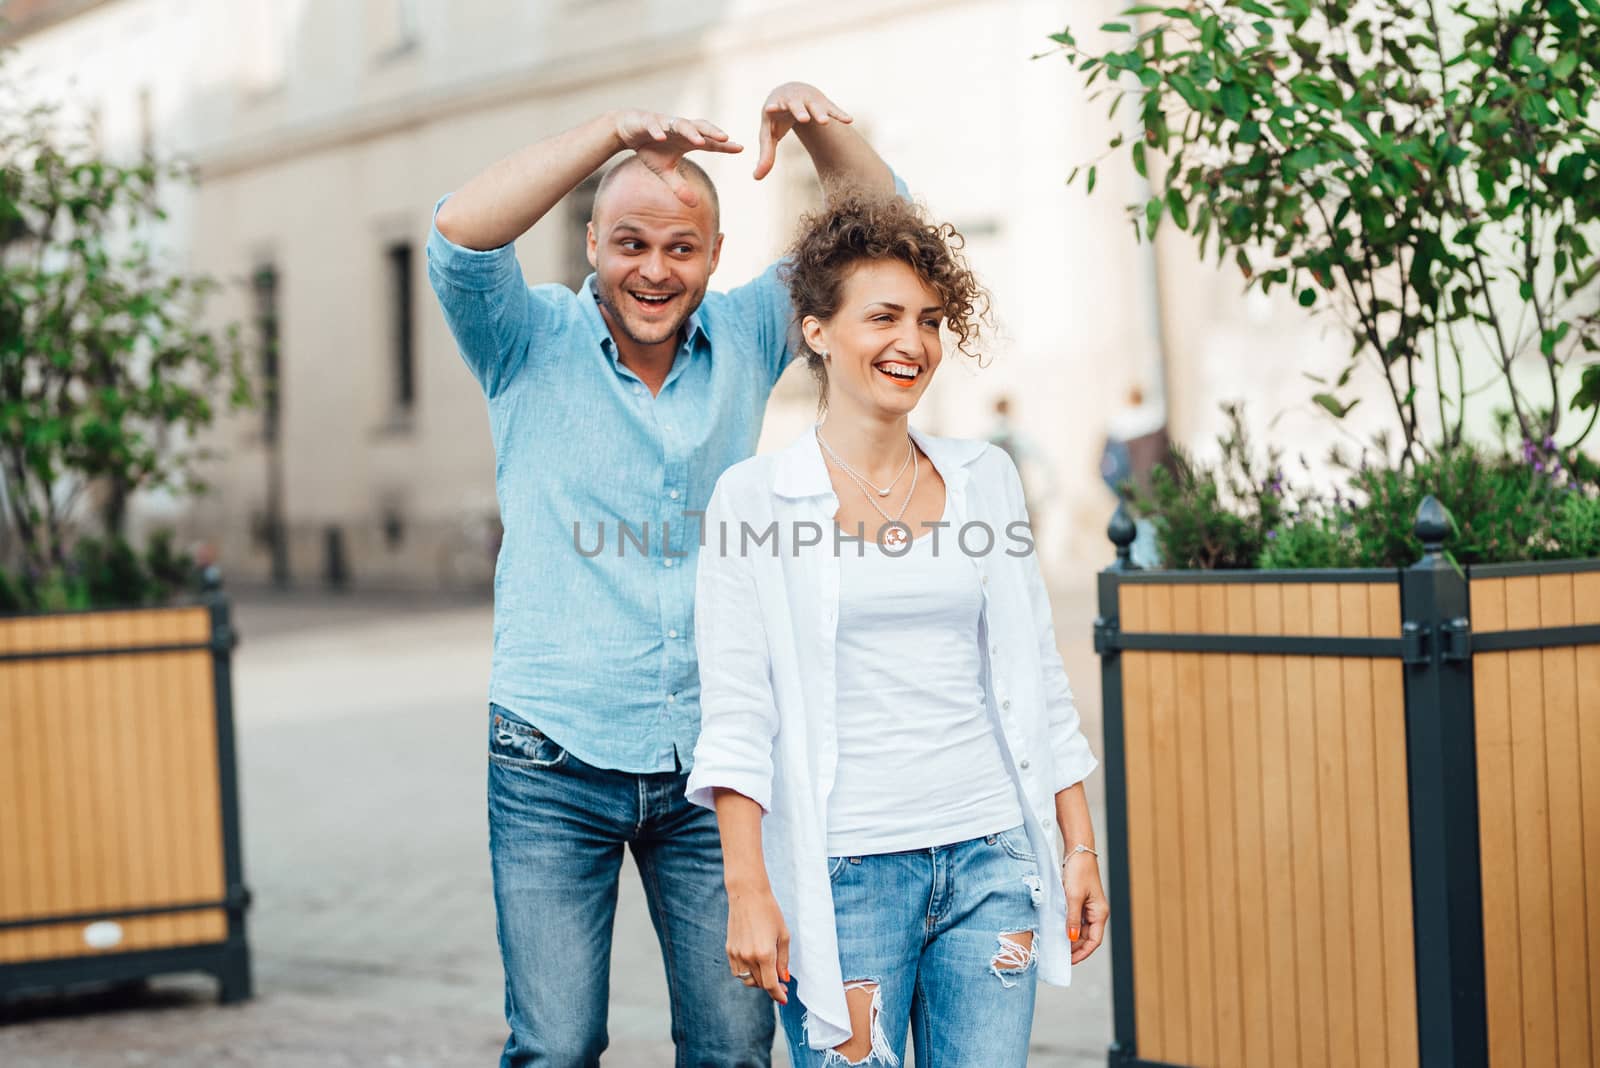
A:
(653, 256)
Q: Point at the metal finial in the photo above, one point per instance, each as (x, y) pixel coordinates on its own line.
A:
(1432, 527)
(1121, 531)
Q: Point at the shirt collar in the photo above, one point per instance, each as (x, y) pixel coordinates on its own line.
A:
(694, 326)
(801, 471)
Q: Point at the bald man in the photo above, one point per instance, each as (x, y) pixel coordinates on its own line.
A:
(613, 411)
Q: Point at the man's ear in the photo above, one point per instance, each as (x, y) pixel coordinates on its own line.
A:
(593, 247)
(811, 331)
(716, 254)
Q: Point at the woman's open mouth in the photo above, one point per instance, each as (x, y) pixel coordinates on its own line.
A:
(904, 375)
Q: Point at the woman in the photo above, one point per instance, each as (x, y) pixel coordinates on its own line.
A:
(888, 738)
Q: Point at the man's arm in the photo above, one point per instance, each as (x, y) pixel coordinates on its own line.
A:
(502, 203)
(842, 157)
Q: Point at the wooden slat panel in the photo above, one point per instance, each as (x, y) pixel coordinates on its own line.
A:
(1171, 885)
(1144, 902)
(1560, 667)
(1497, 835)
(1212, 703)
(1306, 824)
(1333, 806)
(1586, 610)
(1131, 602)
(33, 804)
(1278, 835)
(1361, 773)
(1394, 840)
(1197, 824)
(1530, 802)
(1255, 989)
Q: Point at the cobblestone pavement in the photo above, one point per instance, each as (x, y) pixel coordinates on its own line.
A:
(360, 724)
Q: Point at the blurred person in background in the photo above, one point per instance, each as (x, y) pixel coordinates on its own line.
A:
(1136, 444)
(888, 736)
(621, 403)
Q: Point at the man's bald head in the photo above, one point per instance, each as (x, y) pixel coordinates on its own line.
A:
(690, 170)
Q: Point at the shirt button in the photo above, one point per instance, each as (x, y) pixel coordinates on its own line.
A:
(672, 698)
(673, 494)
(994, 648)
(1006, 703)
(667, 427)
(984, 579)
(1023, 765)
(666, 563)
(672, 634)
(638, 391)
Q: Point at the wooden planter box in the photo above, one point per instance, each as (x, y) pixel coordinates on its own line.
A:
(119, 818)
(1350, 813)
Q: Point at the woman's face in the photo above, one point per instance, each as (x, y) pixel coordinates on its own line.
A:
(882, 344)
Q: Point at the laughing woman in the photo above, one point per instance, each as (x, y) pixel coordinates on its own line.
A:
(888, 737)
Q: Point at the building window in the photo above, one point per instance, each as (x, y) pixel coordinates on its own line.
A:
(402, 332)
(579, 208)
(265, 288)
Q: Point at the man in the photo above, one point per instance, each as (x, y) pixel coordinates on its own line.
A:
(613, 412)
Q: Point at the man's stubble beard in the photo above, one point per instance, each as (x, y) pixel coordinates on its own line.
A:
(603, 295)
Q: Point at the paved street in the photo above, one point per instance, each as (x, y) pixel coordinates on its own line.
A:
(361, 743)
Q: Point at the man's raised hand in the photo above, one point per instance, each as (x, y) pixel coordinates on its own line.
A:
(789, 105)
(660, 141)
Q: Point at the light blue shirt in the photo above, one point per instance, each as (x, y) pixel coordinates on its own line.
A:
(596, 649)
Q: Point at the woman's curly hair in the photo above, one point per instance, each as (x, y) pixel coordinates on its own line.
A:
(860, 227)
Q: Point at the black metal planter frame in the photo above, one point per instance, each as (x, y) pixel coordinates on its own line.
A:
(1435, 647)
(227, 960)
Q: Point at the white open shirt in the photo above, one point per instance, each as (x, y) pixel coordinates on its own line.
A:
(765, 626)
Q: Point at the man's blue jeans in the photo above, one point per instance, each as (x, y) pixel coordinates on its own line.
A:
(557, 827)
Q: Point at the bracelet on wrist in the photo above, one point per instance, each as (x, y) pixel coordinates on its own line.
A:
(1077, 849)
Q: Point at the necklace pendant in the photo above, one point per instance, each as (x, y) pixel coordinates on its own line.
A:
(895, 537)
(884, 492)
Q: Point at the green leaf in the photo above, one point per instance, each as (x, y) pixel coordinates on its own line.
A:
(1092, 173)
(1588, 394)
(1138, 158)
(1186, 89)
(1152, 214)
(1564, 65)
(1116, 27)
(1178, 209)
(1308, 297)
(1331, 403)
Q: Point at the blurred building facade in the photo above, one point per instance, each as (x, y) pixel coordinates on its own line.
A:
(325, 132)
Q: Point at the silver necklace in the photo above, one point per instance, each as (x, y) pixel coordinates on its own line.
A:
(896, 535)
(861, 479)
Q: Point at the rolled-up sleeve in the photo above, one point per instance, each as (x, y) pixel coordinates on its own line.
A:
(490, 310)
(738, 710)
(1073, 758)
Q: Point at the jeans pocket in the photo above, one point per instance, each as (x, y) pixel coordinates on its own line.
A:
(1015, 842)
(835, 866)
(515, 744)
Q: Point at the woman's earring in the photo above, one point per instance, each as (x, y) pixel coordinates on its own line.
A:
(823, 354)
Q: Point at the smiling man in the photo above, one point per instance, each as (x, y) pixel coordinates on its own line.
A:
(620, 404)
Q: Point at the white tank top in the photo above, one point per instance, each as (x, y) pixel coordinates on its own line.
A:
(920, 762)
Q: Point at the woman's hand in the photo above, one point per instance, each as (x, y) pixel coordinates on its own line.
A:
(660, 141)
(758, 941)
(789, 105)
(1087, 908)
